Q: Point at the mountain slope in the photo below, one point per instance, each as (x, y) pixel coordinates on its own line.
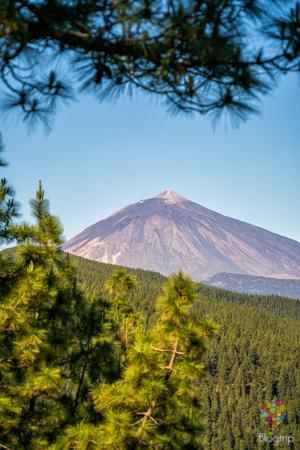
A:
(169, 232)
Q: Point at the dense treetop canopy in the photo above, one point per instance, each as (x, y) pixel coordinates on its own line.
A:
(205, 56)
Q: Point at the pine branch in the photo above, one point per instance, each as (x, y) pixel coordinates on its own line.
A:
(166, 350)
(144, 420)
(172, 360)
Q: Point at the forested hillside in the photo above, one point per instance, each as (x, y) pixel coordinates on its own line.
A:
(94, 274)
(254, 356)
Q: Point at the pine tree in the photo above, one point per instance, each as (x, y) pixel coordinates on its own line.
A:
(123, 316)
(8, 212)
(53, 343)
(197, 56)
(156, 403)
(8, 205)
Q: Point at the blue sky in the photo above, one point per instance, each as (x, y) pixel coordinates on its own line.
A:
(101, 157)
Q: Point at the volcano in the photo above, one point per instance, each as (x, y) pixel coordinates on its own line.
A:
(169, 232)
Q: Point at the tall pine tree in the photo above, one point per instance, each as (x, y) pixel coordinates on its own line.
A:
(157, 402)
(8, 211)
(53, 344)
(124, 318)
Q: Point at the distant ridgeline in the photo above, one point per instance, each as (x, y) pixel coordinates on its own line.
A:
(256, 285)
(255, 356)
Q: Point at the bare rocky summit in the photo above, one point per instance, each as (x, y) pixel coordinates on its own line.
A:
(168, 232)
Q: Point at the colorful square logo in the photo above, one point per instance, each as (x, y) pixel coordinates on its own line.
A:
(273, 414)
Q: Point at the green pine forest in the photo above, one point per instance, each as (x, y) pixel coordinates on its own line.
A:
(94, 356)
(254, 355)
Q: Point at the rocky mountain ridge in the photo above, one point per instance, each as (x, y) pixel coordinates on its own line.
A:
(251, 284)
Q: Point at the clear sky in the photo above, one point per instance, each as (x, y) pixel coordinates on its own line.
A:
(101, 157)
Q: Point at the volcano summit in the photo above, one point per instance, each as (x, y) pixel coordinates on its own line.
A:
(169, 232)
